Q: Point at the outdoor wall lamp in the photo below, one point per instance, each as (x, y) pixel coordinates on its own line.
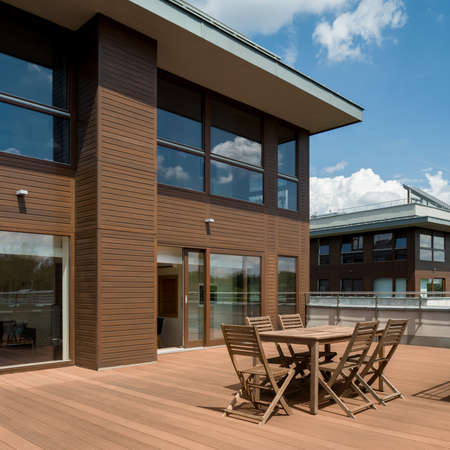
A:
(209, 220)
(21, 192)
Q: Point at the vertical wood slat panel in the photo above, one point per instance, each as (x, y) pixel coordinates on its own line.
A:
(127, 196)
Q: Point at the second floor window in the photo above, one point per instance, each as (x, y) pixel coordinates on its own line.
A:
(324, 253)
(352, 250)
(382, 247)
(287, 182)
(34, 113)
(432, 247)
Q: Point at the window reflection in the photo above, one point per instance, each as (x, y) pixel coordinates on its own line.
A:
(287, 194)
(287, 285)
(235, 290)
(34, 134)
(179, 114)
(180, 169)
(33, 295)
(33, 81)
(236, 182)
(235, 134)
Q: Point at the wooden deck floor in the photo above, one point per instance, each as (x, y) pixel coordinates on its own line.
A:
(175, 403)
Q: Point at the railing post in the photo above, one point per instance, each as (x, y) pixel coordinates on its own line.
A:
(338, 315)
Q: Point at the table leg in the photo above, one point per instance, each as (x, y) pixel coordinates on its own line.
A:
(327, 350)
(314, 380)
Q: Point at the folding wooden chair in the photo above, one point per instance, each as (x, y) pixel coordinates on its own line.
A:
(374, 366)
(242, 340)
(292, 321)
(342, 373)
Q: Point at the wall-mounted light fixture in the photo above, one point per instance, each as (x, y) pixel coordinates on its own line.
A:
(209, 220)
(21, 192)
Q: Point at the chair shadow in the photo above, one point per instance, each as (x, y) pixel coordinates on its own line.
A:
(440, 392)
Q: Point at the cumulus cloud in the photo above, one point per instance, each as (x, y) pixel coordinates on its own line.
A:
(264, 16)
(240, 149)
(341, 165)
(171, 173)
(365, 188)
(344, 37)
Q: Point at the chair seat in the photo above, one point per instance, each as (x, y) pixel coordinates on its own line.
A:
(277, 371)
(333, 365)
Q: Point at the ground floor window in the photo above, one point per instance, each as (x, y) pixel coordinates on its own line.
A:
(287, 285)
(34, 297)
(235, 290)
(348, 285)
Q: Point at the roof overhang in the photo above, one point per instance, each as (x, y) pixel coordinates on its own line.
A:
(197, 48)
(431, 223)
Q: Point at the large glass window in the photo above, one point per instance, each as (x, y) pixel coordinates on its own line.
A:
(179, 114)
(235, 134)
(323, 286)
(180, 169)
(34, 296)
(236, 182)
(34, 120)
(432, 247)
(352, 249)
(235, 290)
(287, 168)
(382, 247)
(432, 286)
(401, 247)
(287, 285)
(348, 285)
(236, 152)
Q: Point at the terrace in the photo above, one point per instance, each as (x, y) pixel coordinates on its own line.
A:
(177, 402)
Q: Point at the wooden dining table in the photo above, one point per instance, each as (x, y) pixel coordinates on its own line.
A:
(313, 337)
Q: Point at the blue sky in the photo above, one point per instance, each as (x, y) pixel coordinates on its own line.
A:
(392, 57)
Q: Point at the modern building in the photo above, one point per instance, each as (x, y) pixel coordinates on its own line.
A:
(399, 248)
(154, 180)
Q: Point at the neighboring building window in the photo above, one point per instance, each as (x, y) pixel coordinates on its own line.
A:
(235, 287)
(324, 253)
(432, 248)
(34, 115)
(400, 287)
(382, 247)
(433, 286)
(34, 298)
(401, 247)
(287, 285)
(382, 285)
(323, 286)
(288, 184)
(352, 250)
(180, 136)
(236, 152)
(348, 285)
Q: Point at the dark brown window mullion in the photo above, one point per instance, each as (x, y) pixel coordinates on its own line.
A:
(207, 140)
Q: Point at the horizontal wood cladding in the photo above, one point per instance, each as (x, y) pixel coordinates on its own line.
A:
(126, 211)
(48, 207)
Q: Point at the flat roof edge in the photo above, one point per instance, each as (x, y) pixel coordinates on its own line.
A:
(195, 21)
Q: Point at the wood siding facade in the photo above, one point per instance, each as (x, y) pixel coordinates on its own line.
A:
(108, 203)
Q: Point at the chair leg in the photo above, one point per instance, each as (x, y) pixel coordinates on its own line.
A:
(370, 389)
(368, 404)
(279, 398)
(230, 407)
(335, 396)
(396, 393)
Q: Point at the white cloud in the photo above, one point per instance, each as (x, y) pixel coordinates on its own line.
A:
(177, 173)
(439, 187)
(240, 149)
(42, 71)
(12, 150)
(365, 188)
(341, 165)
(264, 16)
(226, 179)
(343, 38)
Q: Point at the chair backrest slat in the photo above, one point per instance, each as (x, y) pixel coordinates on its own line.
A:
(261, 323)
(361, 341)
(289, 321)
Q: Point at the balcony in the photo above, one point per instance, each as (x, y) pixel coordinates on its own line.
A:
(177, 402)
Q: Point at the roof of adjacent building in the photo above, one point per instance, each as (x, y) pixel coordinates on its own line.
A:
(199, 48)
(387, 218)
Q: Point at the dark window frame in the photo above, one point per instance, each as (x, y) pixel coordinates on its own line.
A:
(356, 254)
(323, 259)
(206, 151)
(352, 281)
